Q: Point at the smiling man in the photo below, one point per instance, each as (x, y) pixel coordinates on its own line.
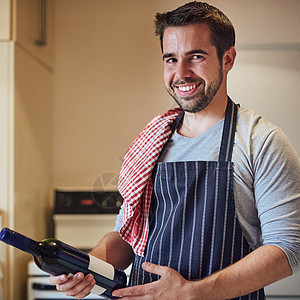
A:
(192, 76)
(211, 190)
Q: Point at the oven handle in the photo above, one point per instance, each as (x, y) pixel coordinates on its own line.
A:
(43, 287)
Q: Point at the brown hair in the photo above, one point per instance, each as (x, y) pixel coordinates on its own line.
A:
(222, 31)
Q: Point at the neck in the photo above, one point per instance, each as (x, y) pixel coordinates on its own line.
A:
(194, 124)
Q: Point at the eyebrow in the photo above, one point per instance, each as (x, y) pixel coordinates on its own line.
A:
(196, 51)
(167, 55)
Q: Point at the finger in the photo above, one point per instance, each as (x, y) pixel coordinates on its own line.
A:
(78, 280)
(155, 269)
(130, 291)
(146, 291)
(83, 289)
(54, 280)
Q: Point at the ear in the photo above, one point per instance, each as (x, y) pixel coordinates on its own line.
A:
(228, 59)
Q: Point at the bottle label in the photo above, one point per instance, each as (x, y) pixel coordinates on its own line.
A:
(103, 268)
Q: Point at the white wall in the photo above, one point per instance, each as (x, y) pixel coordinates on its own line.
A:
(108, 75)
(107, 84)
(268, 82)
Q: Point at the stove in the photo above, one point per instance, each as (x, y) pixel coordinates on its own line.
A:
(285, 289)
(80, 218)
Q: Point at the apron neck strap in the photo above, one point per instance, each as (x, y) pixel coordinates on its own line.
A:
(176, 123)
(228, 131)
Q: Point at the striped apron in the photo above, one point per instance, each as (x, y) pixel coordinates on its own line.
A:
(193, 224)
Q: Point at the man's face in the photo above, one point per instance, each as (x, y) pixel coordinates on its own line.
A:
(192, 71)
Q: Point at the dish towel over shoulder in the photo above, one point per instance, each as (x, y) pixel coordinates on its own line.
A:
(135, 182)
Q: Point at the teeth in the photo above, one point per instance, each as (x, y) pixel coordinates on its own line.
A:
(187, 88)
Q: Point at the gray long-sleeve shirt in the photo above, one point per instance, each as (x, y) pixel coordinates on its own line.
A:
(266, 179)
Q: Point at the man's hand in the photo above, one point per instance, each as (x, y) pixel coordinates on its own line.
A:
(171, 285)
(77, 286)
(112, 249)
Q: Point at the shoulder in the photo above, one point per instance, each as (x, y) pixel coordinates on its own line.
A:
(260, 142)
(254, 132)
(254, 124)
(261, 145)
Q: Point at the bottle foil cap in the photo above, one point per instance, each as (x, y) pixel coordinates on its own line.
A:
(15, 239)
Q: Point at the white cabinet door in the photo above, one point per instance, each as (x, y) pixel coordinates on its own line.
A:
(6, 154)
(5, 19)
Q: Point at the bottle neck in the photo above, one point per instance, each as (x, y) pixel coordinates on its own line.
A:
(33, 248)
(19, 241)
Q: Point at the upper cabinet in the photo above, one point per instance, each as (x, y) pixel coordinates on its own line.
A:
(33, 29)
(5, 19)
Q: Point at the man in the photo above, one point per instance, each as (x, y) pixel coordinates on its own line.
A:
(211, 191)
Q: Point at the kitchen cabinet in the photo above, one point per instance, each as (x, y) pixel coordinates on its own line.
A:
(6, 154)
(25, 127)
(33, 29)
(5, 20)
(32, 157)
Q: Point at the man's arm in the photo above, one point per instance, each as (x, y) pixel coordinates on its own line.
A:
(112, 249)
(263, 266)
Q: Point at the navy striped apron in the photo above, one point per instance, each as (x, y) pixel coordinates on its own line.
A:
(193, 224)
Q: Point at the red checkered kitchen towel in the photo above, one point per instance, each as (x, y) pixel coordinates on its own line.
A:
(135, 182)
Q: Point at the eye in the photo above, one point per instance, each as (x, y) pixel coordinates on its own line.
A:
(197, 57)
(170, 60)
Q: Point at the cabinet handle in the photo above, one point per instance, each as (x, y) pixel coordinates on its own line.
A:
(41, 41)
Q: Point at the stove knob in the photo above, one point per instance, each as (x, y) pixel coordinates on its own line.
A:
(67, 203)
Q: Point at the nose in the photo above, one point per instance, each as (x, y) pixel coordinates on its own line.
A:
(183, 70)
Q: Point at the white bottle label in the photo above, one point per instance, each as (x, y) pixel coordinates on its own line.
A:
(103, 268)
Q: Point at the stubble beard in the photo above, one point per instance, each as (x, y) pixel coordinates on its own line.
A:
(201, 99)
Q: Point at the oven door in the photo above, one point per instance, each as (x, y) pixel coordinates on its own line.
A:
(38, 288)
(285, 289)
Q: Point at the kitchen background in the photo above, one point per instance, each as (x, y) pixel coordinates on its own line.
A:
(69, 109)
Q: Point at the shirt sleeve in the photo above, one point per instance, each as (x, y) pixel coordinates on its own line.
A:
(119, 219)
(277, 194)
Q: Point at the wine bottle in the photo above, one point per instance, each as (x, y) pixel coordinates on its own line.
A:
(56, 258)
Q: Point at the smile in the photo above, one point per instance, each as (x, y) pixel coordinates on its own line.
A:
(187, 88)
